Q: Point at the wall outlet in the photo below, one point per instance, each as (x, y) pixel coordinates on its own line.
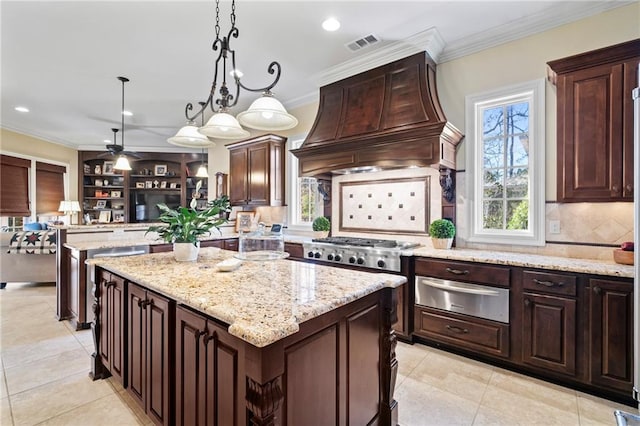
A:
(554, 226)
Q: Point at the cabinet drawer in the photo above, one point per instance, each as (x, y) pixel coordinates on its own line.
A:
(463, 271)
(546, 282)
(464, 332)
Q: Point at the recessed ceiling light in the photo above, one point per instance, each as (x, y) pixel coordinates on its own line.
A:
(331, 24)
(21, 109)
(127, 113)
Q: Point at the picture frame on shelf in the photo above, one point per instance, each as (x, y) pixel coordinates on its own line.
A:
(139, 184)
(116, 194)
(173, 185)
(160, 169)
(148, 184)
(118, 216)
(107, 168)
(97, 169)
(86, 168)
(163, 184)
(243, 221)
(105, 216)
(98, 182)
(101, 204)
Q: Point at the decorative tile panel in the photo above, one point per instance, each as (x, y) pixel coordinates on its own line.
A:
(398, 205)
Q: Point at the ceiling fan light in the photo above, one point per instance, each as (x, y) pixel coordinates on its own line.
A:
(189, 136)
(267, 113)
(223, 125)
(122, 163)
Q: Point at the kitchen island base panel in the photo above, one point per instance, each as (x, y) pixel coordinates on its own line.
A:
(339, 368)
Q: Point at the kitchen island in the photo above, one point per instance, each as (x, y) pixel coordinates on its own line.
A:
(278, 342)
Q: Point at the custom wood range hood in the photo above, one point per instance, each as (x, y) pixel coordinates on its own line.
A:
(384, 118)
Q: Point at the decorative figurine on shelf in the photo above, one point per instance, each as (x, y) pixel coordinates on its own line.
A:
(98, 169)
(156, 183)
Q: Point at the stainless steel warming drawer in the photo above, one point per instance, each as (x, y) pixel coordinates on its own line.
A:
(466, 298)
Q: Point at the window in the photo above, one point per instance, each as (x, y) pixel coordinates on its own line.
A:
(306, 203)
(49, 188)
(14, 199)
(505, 165)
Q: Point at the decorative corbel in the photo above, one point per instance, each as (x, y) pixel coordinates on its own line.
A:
(448, 184)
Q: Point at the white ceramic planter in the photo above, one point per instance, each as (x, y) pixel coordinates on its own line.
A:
(442, 243)
(186, 252)
(320, 234)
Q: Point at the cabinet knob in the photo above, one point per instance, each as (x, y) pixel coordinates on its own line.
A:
(597, 290)
(615, 189)
(527, 302)
(629, 187)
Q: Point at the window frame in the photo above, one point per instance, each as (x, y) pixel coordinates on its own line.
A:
(293, 213)
(534, 92)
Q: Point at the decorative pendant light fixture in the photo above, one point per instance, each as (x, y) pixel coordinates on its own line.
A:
(122, 163)
(202, 170)
(266, 113)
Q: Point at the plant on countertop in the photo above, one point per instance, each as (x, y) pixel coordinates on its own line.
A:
(185, 225)
(442, 228)
(321, 223)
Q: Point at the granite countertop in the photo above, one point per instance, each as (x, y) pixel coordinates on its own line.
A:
(127, 242)
(262, 301)
(585, 266)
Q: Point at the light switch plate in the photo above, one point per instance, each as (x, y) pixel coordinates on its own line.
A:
(554, 226)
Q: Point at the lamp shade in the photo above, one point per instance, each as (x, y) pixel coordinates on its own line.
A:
(223, 126)
(69, 207)
(122, 163)
(189, 137)
(202, 172)
(267, 113)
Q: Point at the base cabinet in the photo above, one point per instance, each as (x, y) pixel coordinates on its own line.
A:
(549, 333)
(208, 389)
(149, 356)
(611, 332)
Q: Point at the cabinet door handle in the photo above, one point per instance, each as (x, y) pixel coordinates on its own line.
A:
(108, 284)
(615, 189)
(457, 329)
(629, 188)
(198, 334)
(527, 302)
(209, 337)
(597, 290)
(548, 283)
(144, 303)
(457, 271)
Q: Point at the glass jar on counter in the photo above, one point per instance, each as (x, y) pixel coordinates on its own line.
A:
(261, 245)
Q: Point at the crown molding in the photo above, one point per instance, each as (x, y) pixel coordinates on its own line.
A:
(36, 135)
(530, 25)
(428, 40)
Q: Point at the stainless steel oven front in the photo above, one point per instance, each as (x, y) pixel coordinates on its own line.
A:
(471, 299)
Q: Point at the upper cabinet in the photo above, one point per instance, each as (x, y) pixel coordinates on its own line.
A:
(256, 171)
(595, 123)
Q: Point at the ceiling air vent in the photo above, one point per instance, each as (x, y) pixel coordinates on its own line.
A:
(363, 42)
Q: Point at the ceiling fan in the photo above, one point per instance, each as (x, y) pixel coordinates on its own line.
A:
(114, 150)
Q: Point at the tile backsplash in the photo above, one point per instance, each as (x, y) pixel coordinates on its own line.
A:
(385, 204)
(587, 230)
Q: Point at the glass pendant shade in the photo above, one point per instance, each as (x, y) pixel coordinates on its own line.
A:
(189, 137)
(202, 172)
(122, 163)
(223, 126)
(267, 113)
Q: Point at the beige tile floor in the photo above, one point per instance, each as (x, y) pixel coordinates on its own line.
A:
(44, 380)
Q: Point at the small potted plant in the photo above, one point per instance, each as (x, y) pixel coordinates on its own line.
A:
(442, 232)
(321, 226)
(184, 226)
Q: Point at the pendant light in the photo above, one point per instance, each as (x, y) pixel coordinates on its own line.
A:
(122, 163)
(266, 113)
(202, 170)
(190, 137)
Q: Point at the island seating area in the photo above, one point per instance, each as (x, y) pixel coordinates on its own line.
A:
(271, 343)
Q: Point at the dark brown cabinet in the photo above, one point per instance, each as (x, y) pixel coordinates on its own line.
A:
(150, 347)
(611, 332)
(549, 321)
(595, 123)
(256, 171)
(207, 384)
(111, 314)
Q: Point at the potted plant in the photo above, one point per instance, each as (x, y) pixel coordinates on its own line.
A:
(442, 232)
(184, 226)
(321, 226)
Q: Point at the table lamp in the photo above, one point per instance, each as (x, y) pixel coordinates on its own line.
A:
(69, 208)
